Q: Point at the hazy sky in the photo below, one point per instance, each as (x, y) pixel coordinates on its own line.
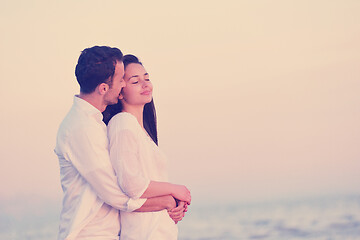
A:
(255, 99)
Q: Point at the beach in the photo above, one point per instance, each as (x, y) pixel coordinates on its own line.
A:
(333, 218)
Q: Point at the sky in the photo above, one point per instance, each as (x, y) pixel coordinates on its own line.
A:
(255, 100)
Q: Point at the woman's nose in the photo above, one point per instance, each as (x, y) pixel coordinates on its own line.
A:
(145, 84)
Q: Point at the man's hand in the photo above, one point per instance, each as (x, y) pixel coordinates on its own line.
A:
(171, 202)
(178, 213)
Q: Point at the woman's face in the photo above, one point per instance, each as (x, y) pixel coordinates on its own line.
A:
(138, 90)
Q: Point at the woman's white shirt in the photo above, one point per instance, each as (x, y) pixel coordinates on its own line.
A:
(137, 160)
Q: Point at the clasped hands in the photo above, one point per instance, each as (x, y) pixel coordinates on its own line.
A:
(178, 212)
(182, 197)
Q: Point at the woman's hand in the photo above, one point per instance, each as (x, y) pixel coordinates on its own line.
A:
(181, 193)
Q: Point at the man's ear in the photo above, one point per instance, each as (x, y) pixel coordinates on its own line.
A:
(103, 88)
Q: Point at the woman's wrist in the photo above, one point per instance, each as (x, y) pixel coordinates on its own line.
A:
(171, 188)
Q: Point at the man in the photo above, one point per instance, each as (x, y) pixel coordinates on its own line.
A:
(92, 197)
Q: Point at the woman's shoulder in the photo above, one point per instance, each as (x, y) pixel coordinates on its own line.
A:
(124, 120)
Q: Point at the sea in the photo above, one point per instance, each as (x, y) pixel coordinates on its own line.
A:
(321, 218)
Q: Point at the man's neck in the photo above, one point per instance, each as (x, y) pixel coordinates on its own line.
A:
(94, 100)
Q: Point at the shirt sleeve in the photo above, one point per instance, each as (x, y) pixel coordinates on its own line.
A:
(89, 154)
(125, 158)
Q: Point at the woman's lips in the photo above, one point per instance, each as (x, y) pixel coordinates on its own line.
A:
(146, 93)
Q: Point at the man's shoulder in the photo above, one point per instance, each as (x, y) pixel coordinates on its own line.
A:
(77, 127)
(77, 122)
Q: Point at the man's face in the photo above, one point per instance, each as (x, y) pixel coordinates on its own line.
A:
(112, 95)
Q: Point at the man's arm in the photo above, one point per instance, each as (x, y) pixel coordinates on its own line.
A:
(88, 153)
(176, 209)
(158, 204)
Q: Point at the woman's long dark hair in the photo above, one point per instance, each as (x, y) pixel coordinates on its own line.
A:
(149, 113)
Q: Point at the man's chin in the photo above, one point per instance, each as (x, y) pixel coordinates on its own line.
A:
(112, 102)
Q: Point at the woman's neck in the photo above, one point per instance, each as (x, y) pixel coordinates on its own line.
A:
(137, 111)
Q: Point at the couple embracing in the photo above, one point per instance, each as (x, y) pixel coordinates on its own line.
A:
(113, 174)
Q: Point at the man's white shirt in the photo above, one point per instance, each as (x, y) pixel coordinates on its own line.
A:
(87, 177)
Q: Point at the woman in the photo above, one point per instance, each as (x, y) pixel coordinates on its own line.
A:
(138, 162)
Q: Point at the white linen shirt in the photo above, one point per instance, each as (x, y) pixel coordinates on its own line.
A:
(137, 160)
(87, 177)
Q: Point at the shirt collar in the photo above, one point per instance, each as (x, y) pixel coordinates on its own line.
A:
(87, 108)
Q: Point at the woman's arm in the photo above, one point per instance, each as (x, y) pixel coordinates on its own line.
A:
(156, 189)
(124, 156)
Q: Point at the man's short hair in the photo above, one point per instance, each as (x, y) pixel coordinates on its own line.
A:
(96, 65)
